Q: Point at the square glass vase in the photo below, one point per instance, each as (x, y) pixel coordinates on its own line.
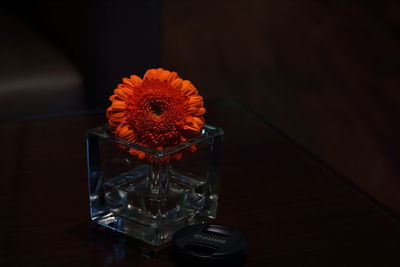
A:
(150, 199)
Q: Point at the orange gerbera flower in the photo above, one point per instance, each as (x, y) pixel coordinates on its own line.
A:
(159, 111)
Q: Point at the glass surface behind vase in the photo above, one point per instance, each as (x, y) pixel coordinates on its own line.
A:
(150, 199)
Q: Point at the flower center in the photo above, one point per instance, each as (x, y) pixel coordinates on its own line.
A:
(156, 108)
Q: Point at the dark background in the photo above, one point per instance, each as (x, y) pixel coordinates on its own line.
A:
(326, 73)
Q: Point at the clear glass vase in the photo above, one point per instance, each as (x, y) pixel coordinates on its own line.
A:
(151, 198)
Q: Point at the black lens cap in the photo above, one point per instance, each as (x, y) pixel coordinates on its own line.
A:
(209, 244)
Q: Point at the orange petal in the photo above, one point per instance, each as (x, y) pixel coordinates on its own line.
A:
(177, 83)
(159, 72)
(201, 112)
(114, 97)
(193, 148)
(168, 76)
(127, 82)
(133, 151)
(191, 122)
(198, 121)
(118, 105)
(124, 86)
(196, 101)
(123, 93)
(124, 132)
(116, 119)
(173, 76)
(141, 155)
(118, 114)
(191, 127)
(188, 88)
(109, 112)
(178, 156)
(189, 119)
(196, 111)
(193, 110)
(150, 74)
(135, 80)
(164, 76)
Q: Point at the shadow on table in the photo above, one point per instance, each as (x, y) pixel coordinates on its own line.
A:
(120, 245)
(117, 249)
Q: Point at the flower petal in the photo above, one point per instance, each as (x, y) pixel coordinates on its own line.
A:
(201, 111)
(118, 114)
(177, 83)
(136, 81)
(195, 110)
(159, 72)
(178, 156)
(109, 111)
(188, 88)
(150, 74)
(115, 97)
(115, 122)
(123, 93)
(168, 76)
(127, 82)
(173, 75)
(141, 155)
(118, 105)
(133, 151)
(193, 148)
(124, 132)
(194, 123)
(198, 121)
(191, 127)
(196, 101)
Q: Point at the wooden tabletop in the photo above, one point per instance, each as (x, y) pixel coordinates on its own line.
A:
(292, 210)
